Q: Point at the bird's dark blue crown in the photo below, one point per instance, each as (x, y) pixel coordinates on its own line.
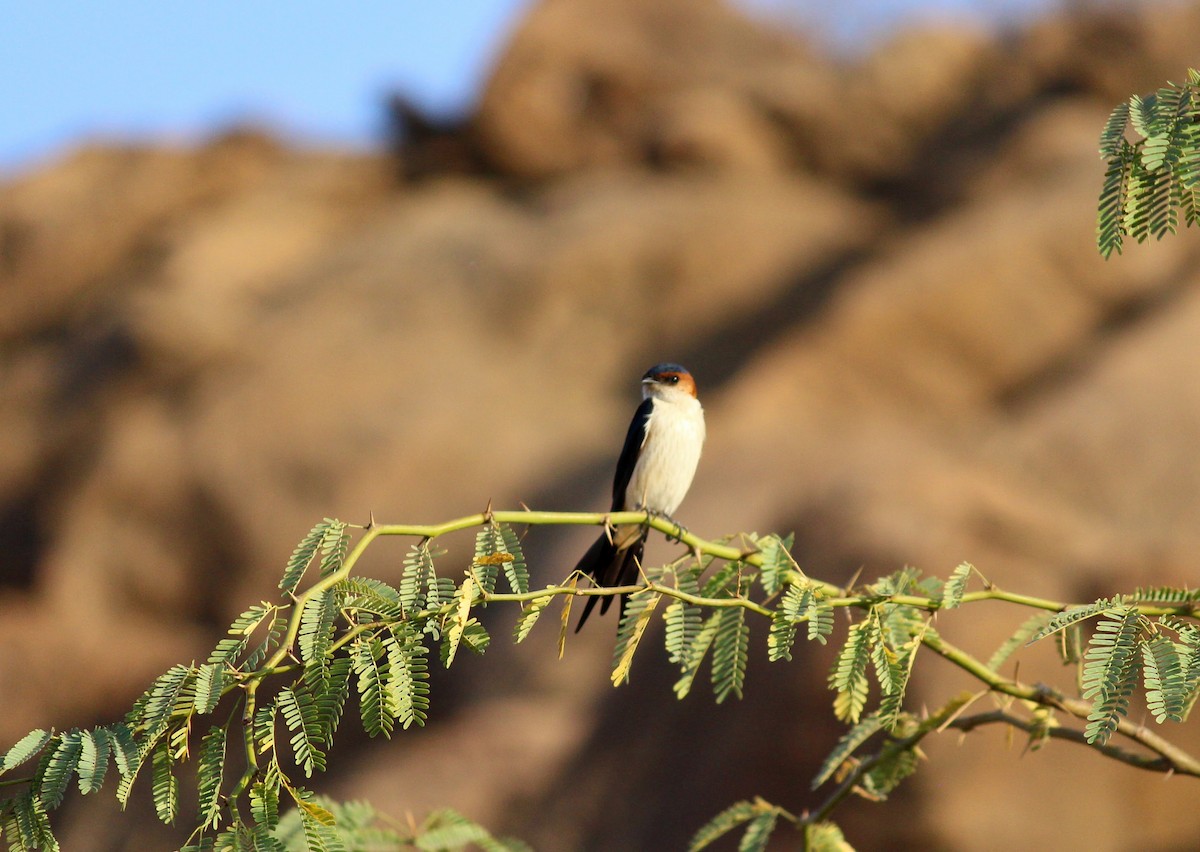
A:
(665, 367)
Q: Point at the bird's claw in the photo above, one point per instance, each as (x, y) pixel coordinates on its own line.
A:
(680, 529)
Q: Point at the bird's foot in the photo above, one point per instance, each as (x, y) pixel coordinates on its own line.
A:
(680, 529)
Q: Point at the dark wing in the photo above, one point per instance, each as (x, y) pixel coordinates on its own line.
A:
(630, 452)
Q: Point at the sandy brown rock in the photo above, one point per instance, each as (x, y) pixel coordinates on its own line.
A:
(882, 274)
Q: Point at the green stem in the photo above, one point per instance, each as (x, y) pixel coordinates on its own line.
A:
(1140, 761)
(1176, 759)
(893, 747)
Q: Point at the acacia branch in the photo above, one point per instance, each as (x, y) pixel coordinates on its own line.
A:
(1159, 763)
(1174, 758)
(893, 747)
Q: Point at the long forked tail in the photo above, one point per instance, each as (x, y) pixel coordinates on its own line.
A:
(611, 563)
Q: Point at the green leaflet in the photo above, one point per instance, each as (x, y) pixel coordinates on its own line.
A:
(1114, 131)
(264, 801)
(1110, 211)
(1022, 637)
(1165, 595)
(125, 752)
(26, 825)
(515, 570)
(168, 690)
(316, 627)
(371, 664)
(682, 619)
(335, 543)
(56, 770)
(804, 603)
(887, 667)
(730, 652)
(1111, 670)
(303, 555)
(724, 822)
(781, 638)
(210, 683)
(879, 782)
(417, 576)
(849, 675)
(317, 823)
(1167, 690)
(366, 599)
(825, 837)
(1150, 181)
(758, 832)
(696, 653)
(209, 772)
(408, 677)
(776, 561)
(900, 670)
(94, 751)
(24, 748)
(952, 592)
(165, 785)
(302, 716)
(125, 786)
(846, 746)
(1073, 616)
(264, 728)
(529, 617)
(490, 553)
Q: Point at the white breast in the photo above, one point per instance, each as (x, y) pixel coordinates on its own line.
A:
(670, 453)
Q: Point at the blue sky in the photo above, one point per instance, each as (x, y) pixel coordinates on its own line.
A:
(315, 70)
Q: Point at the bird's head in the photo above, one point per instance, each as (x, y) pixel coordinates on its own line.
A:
(668, 381)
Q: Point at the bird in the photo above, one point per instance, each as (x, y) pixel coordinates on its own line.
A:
(654, 471)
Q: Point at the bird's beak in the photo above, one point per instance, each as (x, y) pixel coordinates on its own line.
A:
(647, 381)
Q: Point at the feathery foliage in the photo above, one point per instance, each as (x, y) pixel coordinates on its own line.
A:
(731, 650)
(24, 749)
(372, 666)
(1033, 626)
(957, 584)
(1110, 670)
(95, 748)
(303, 555)
(1152, 179)
(408, 676)
(846, 746)
(849, 675)
(529, 617)
(347, 634)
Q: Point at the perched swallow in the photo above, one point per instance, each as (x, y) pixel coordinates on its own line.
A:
(662, 449)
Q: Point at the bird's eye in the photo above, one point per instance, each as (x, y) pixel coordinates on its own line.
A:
(674, 380)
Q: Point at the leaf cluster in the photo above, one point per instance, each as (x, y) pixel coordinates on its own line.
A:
(349, 641)
(1153, 178)
(1128, 649)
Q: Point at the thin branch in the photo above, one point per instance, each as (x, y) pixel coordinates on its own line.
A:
(1180, 761)
(927, 726)
(1058, 732)
(1176, 759)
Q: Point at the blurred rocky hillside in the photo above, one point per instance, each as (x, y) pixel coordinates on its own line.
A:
(881, 272)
